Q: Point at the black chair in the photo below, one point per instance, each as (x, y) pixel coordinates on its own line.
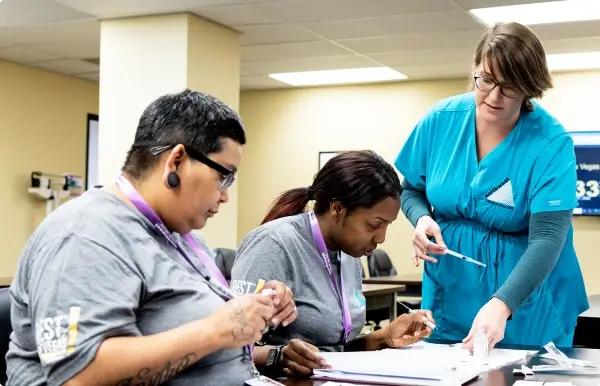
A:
(380, 264)
(5, 331)
(224, 258)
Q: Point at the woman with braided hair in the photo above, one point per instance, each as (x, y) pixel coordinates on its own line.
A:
(315, 251)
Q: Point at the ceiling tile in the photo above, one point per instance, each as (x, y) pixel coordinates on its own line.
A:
(433, 41)
(121, 8)
(68, 66)
(290, 51)
(308, 64)
(591, 44)
(260, 82)
(26, 54)
(320, 10)
(53, 32)
(572, 30)
(471, 4)
(93, 76)
(419, 57)
(79, 49)
(22, 12)
(396, 25)
(277, 33)
(238, 15)
(438, 71)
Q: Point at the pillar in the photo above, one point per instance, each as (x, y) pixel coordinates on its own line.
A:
(142, 58)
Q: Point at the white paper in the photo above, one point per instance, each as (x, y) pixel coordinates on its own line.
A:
(430, 366)
(455, 355)
(528, 383)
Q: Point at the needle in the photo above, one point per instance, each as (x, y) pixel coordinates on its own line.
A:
(463, 257)
(411, 311)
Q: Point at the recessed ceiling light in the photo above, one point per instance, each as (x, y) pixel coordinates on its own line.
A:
(541, 13)
(574, 61)
(350, 75)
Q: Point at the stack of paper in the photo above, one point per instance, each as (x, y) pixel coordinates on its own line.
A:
(418, 364)
(389, 367)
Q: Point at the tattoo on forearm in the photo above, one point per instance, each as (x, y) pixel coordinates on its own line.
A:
(242, 331)
(145, 377)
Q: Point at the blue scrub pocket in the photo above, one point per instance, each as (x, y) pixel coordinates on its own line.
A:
(537, 322)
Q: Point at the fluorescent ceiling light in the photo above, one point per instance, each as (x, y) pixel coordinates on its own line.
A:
(575, 61)
(541, 13)
(351, 75)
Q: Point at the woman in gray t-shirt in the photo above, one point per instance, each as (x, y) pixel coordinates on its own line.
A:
(316, 253)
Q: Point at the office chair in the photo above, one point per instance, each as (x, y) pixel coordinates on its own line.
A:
(380, 264)
(5, 331)
(224, 258)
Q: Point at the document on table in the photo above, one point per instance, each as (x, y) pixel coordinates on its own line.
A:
(456, 354)
(418, 364)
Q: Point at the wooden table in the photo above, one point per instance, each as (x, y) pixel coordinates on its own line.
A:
(505, 377)
(412, 281)
(382, 297)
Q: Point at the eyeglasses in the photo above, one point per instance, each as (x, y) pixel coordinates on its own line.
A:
(227, 175)
(487, 85)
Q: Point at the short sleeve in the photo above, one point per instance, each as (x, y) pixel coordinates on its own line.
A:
(555, 177)
(412, 159)
(260, 258)
(80, 295)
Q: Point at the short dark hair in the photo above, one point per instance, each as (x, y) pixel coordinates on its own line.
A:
(190, 118)
(520, 57)
(357, 179)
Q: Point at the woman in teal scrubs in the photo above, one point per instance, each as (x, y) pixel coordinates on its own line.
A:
(491, 175)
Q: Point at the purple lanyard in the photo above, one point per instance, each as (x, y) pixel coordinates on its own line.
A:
(318, 237)
(208, 263)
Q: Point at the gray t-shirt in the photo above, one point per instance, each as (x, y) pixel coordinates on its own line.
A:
(96, 268)
(285, 250)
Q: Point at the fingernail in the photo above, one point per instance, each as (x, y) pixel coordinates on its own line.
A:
(276, 301)
(275, 321)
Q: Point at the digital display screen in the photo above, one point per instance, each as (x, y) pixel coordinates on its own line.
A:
(587, 153)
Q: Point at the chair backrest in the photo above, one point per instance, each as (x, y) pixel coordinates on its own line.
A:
(5, 331)
(224, 258)
(380, 264)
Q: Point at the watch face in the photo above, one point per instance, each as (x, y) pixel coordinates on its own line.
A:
(273, 356)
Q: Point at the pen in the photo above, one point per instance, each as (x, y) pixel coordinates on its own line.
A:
(411, 311)
(463, 257)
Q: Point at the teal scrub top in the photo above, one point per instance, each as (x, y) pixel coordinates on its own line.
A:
(483, 208)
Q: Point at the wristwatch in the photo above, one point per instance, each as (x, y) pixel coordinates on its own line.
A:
(274, 355)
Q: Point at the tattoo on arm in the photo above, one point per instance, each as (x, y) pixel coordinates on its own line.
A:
(242, 331)
(145, 377)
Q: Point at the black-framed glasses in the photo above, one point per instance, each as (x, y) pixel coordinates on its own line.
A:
(487, 85)
(227, 175)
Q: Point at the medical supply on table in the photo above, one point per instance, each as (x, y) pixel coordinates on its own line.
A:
(463, 257)
(411, 311)
(481, 346)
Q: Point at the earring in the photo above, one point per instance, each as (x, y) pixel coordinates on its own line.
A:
(173, 180)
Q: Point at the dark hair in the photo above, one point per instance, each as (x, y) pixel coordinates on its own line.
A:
(354, 178)
(519, 56)
(190, 118)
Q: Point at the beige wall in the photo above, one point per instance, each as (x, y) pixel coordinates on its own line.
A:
(287, 129)
(43, 118)
(39, 111)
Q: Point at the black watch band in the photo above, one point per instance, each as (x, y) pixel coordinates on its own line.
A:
(274, 355)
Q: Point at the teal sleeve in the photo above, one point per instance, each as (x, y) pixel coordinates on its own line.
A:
(414, 203)
(547, 234)
(412, 159)
(555, 177)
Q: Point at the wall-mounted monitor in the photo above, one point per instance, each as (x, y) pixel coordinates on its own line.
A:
(587, 153)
